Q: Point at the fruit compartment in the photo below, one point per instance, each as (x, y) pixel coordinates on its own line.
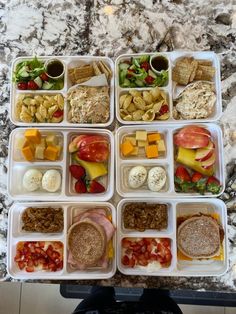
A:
(92, 272)
(217, 139)
(170, 230)
(68, 208)
(173, 90)
(68, 62)
(203, 267)
(17, 136)
(130, 131)
(123, 187)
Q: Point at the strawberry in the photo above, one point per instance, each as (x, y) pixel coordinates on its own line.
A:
(183, 180)
(77, 172)
(95, 187)
(199, 182)
(80, 186)
(213, 185)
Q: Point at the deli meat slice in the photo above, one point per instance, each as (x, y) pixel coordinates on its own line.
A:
(102, 221)
(98, 211)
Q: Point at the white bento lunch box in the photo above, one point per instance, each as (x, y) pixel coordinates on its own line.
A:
(16, 234)
(18, 166)
(68, 61)
(176, 208)
(171, 88)
(124, 164)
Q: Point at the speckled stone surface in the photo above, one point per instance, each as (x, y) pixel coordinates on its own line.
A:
(58, 27)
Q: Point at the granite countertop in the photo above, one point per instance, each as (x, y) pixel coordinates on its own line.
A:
(100, 27)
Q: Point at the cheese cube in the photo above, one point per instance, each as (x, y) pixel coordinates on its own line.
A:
(28, 153)
(51, 153)
(151, 151)
(126, 148)
(51, 140)
(161, 146)
(43, 142)
(141, 135)
(142, 143)
(59, 150)
(131, 139)
(39, 152)
(154, 137)
(135, 151)
(33, 136)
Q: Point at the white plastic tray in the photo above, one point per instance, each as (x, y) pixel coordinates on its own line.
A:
(170, 88)
(15, 234)
(123, 164)
(68, 61)
(176, 208)
(18, 166)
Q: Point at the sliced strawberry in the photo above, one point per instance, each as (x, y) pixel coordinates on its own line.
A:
(213, 185)
(77, 172)
(183, 180)
(95, 187)
(80, 186)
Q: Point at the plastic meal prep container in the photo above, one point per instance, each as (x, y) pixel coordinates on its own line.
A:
(69, 61)
(16, 234)
(171, 88)
(124, 164)
(18, 166)
(176, 208)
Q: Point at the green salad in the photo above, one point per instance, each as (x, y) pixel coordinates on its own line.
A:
(137, 72)
(31, 74)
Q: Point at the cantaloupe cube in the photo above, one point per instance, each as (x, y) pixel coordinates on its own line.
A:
(151, 151)
(154, 137)
(33, 136)
(141, 135)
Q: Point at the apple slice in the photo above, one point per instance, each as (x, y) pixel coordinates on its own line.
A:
(205, 153)
(209, 162)
(189, 140)
(194, 129)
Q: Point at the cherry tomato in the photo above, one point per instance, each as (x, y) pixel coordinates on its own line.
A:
(125, 260)
(149, 80)
(164, 109)
(44, 76)
(129, 74)
(32, 85)
(145, 65)
(58, 113)
(125, 243)
(22, 85)
(165, 242)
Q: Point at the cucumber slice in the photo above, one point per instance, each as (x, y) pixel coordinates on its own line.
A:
(126, 83)
(143, 59)
(152, 74)
(122, 76)
(47, 85)
(123, 66)
(135, 62)
(139, 83)
(38, 81)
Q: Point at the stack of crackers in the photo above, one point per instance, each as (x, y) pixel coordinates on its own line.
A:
(188, 69)
(84, 73)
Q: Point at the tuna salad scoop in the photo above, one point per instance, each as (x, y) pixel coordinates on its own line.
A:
(89, 104)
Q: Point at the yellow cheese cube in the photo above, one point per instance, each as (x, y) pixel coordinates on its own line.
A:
(28, 153)
(154, 137)
(33, 136)
(141, 135)
(131, 139)
(39, 152)
(51, 140)
(43, 142)
(126, 148)
(51, 153)
(161, 146)
(135, 151)
(142, 143)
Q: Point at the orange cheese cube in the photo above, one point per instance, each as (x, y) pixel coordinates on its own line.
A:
(33, 136)
(51, 153)
(151, 151)
(126, 148)
(28, 153)
(154, 137)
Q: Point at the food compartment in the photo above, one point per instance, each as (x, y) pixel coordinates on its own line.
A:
(143, 105)
(198, 148)
(38, 108)
(146, 216)
(34, 221)
(135, 70)
(90, 172)
(37, 145)
(36, 180)
(137, 179)
(142, 143)
(196, 86)
(152, 256)
(204, 225)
